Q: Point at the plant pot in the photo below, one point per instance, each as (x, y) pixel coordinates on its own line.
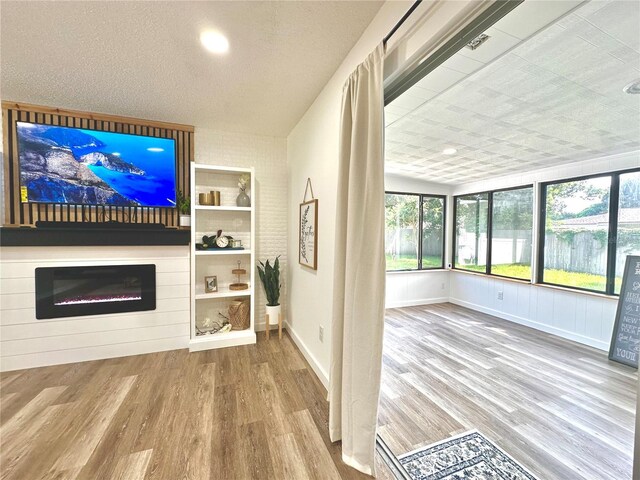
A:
(243, 200)
(274, 313)
(185, 220)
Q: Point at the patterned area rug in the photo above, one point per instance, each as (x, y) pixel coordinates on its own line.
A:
(467, 456)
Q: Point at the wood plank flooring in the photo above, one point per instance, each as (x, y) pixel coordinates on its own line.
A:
(561, 409)
(251, 412)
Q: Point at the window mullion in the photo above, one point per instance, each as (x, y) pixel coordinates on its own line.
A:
(489, 231)
(542, 227)
(420, 227)
(614, 202)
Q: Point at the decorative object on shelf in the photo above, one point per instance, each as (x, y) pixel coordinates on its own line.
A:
(205, 199)
(218, 241)
(308, 246)
(184, 209)
(243, 199)
(236, 243)
(270, 278)
(239, 317)
(211, 284)
(215, 195)
(239, 285)
(208, 326)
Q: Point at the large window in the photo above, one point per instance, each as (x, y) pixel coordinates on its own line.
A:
(587, 228)
(494, 232)
(414, 238)
(577, 247)
(472, 213)
(512, 233)
(628, 238)
(432, 232)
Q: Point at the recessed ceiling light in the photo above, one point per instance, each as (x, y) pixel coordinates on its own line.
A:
(215, 42)
(449, 151)
(633, 88)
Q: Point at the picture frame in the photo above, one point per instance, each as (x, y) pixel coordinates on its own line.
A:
(308, 239)
(211, 284)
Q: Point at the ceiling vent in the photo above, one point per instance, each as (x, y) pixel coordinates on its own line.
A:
(476, 42)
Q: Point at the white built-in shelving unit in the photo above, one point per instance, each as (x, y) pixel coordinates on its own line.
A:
(239, 222)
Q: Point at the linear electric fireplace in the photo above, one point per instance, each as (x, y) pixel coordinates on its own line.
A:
(76, 291)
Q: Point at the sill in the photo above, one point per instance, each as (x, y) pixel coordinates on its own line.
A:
(424, 270)
(576, 290)
(487, 275)
(543, 285)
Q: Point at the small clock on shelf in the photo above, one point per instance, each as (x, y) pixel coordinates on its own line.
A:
(219, 241)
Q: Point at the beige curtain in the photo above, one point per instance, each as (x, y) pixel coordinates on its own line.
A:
(359, 283)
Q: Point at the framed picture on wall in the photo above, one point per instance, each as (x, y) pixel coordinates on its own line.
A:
(308, 249)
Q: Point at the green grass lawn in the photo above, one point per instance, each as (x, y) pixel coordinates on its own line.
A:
(406, 262)
(558, 277)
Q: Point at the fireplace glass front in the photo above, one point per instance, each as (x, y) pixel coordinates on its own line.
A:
(94, 290)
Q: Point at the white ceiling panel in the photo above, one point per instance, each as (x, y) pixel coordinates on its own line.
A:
(550, 100)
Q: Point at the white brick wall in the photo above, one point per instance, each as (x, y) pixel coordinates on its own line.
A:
(268, 155)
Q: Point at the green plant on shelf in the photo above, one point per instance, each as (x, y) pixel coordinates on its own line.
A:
(183, 203)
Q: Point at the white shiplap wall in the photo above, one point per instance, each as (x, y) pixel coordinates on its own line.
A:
(268, 156)
(27, 342)
(578, 316)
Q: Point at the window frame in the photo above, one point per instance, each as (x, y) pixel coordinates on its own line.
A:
(612, 231)
(489, 194)
(421, 197)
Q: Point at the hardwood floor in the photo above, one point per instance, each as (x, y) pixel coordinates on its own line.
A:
(561, 409)
(252, 412)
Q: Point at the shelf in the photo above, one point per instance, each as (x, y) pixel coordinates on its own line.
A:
(223, 208)
(217, 340)
(220, 169)
(223, 252)
(127, 235)
(238, 222)
(223, 293)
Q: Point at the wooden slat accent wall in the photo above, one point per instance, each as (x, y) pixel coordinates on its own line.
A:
(17, 213)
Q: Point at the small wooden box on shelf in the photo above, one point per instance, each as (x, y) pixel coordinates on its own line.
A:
(236, 222)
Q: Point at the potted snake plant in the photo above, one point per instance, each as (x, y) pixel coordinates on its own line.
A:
(270, 278)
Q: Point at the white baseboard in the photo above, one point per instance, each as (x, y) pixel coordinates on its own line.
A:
(320, 372)
(416, 302)
(599, 344)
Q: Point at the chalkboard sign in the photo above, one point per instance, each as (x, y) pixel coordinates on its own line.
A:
(625, 343)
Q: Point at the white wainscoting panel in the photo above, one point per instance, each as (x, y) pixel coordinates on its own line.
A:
(407, 289)
(587, 319)
(26, 342)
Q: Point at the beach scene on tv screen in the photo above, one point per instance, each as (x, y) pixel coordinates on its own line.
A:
(90, 167)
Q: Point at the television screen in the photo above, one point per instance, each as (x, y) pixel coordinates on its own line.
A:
(90, 167)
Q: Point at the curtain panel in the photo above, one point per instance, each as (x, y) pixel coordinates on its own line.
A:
(359, 282)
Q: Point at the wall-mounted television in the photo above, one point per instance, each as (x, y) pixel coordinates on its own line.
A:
(90, 167)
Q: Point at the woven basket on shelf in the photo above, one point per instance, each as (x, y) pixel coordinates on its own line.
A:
(239, 314)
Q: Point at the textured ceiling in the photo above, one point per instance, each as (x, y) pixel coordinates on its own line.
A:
(144, 59)
(554, 99)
